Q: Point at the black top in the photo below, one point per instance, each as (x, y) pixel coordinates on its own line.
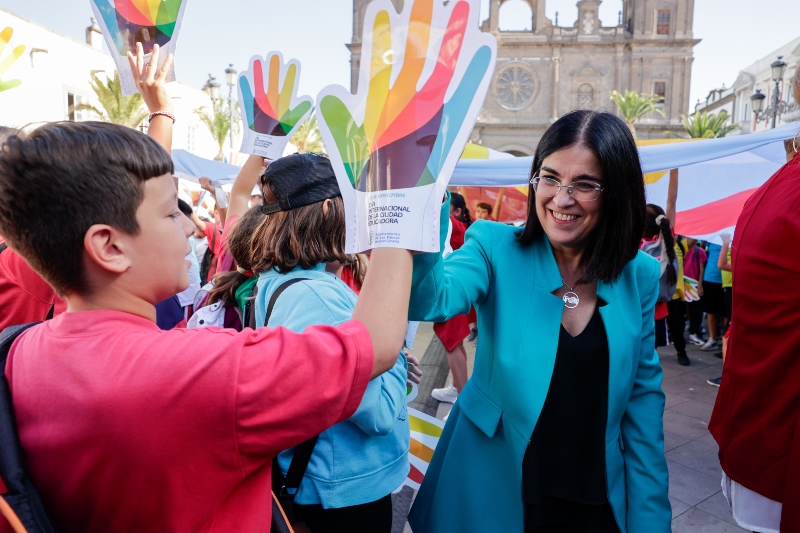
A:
(564, 468)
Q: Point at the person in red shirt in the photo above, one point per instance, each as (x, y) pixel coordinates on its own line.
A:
(453, 332)
(24, 296)
(483, 211)
(124, 426)
(756, 420)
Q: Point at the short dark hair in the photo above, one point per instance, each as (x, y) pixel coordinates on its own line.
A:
(486, 207)
(62, 178)
(616, 239)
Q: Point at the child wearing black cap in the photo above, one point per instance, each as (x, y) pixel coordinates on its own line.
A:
(357, 463)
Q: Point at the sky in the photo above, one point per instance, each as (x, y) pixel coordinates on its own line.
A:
(215, 33)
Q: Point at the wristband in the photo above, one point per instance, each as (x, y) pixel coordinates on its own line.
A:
(165, 113)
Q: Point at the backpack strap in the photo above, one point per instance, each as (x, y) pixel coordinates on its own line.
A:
(285, 285)
(21, 496)
(303, 452)
(249, 309)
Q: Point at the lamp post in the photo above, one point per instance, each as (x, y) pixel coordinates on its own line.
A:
(230, 78)
(777, 106)
(211, 88)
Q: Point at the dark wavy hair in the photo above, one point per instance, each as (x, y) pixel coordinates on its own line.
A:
(457, 201)
(653, 228)
(616, 239)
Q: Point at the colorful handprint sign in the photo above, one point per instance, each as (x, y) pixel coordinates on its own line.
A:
(150, 22)
(270, 107)
(10, 59)
(422, 83)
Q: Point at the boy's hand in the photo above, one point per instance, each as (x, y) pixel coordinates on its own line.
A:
(205, 184)
(726, 238)
(150, 80)
(414, 372)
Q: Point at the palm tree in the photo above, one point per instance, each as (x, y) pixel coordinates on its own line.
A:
(307, 137)
(218, 122)
(701, 125)
(124, 110)
(633, 106)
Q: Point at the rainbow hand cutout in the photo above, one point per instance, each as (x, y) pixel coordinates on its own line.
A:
(5, 64)
(272, 110)
(422, 83)
(150, 22)
(273, 113)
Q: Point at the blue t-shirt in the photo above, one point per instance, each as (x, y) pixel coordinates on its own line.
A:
(713, 273)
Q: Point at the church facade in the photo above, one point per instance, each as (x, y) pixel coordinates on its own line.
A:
(548, 70)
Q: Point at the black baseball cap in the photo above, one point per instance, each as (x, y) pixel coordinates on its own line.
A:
(298, 180)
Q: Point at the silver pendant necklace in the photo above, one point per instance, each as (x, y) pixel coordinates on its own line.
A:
(571, 300)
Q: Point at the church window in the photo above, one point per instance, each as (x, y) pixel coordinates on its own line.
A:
(515, 15)
(515, 88)
(663, 22)
(660, 89)
(585, 96)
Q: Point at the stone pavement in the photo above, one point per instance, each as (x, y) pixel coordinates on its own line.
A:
(694, 472)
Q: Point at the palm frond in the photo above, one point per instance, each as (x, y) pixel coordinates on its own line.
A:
(113, 107)
(633, 106)
(307, 137)
(701, 125)
(217, 120)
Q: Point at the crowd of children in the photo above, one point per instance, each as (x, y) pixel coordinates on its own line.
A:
(184, 425)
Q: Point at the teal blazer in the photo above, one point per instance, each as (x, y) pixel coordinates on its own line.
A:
(474, 481)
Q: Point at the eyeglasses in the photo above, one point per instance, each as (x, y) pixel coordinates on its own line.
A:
(582, 191)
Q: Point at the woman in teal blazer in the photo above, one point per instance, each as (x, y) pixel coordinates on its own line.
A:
(574, 268)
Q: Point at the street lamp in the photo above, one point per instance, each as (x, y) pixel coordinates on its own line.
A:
(212, 88)
(230, 78)
(777, 106)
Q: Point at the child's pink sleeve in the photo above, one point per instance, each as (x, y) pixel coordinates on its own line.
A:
(291, 387)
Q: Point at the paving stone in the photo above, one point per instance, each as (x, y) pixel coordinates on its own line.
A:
(709, 398)
(709, 441)
(718, 506)
(673, 440)
(697, 521)
(684, 425)
(690, 486)
(695, 409)
(691, 390)
(678, 507)
(673, 400)
(698, 457)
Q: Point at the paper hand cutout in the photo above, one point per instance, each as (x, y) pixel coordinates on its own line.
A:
(149, 22)
(270, 111)
(5, 63)
(403, 133)
(270, 107)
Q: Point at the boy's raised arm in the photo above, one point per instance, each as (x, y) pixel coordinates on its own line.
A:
(151, 81)
(383, 304)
